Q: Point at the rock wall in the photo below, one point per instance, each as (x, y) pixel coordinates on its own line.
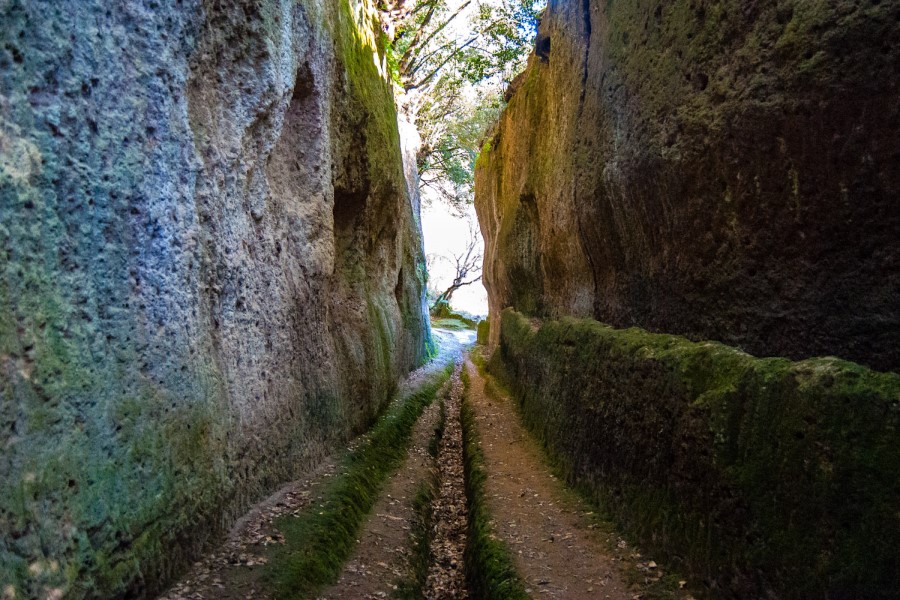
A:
(721, 169)
(210, 272)
(755, 478)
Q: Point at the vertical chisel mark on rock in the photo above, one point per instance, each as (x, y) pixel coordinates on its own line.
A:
(582, 152)
(586, 13)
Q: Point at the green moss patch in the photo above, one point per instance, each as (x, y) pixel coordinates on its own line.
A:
(753, 475)
(319, 541)
(490, 570)
(484, 332)
(456, 324)
(358, 47)
(442, 311)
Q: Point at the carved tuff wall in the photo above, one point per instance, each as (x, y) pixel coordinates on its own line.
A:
(720, 169)
(724, 170)
(211, 271)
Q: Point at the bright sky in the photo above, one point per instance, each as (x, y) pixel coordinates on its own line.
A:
(447, 234)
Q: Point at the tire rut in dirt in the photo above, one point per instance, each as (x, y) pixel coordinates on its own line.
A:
(532, 513)
(446, 578)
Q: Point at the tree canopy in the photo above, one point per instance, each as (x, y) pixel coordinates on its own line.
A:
(452, 60)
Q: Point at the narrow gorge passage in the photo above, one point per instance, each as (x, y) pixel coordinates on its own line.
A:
(559, 548)
(246, 247)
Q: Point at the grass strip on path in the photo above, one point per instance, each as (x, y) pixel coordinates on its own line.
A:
(490, 569)
(452, 324)
(320, 540)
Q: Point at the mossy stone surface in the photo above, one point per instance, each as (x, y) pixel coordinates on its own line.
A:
(484, 330)
(758, 476)
(210, 272)
(719, 169)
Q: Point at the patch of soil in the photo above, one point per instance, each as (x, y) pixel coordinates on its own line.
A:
(546, 527)
(446, 576)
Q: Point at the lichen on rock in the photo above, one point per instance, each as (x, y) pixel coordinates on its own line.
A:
(210, 272)
(723, 170)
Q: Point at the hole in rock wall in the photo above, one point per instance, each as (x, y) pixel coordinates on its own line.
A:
(352, 188)
(398, 288)
(349, 206)
(525, 268)
(542, 47)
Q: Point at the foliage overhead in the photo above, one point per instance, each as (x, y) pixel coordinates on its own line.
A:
(447, 158)
(452, 59)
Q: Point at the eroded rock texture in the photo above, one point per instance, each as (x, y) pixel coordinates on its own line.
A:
(734, 470)
(211, 271)
(722, 169)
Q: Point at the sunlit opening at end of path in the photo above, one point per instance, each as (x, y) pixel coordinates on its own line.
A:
(446, 233)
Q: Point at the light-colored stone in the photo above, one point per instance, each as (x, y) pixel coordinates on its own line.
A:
(211, 271)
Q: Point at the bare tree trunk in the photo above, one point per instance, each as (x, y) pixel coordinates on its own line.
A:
(468, 268)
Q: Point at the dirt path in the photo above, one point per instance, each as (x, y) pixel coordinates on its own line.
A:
(234, 570)
(546, 528)
(382, 552)
(446, 577)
